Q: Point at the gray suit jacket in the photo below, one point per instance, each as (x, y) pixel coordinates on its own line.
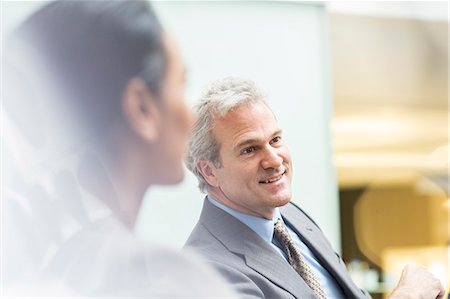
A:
(252, 266)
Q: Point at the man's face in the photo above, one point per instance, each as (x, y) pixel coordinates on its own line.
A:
(255, 173)
(176, 120)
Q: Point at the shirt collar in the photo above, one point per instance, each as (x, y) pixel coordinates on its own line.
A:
(261, 226)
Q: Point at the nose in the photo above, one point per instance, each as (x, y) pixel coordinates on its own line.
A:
(271, 159)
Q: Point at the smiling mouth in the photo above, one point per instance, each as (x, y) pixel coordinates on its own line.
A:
(274, 179)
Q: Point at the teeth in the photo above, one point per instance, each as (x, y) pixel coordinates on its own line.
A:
(272, 180)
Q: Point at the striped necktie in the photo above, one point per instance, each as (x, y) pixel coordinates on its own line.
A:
(297, 260)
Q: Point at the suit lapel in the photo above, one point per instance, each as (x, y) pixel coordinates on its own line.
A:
(318, 244)
(262, 258)
(259, 255)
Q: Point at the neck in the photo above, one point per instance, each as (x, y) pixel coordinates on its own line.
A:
(130, 189)
(220, 196)
(111, 176)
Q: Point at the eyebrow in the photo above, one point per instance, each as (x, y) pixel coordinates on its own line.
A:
(254, 140)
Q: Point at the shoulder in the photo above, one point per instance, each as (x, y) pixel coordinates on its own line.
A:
(293, 207)
(242, 282)
(207, 244)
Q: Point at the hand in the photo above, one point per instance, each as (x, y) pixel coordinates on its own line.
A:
(417, 283)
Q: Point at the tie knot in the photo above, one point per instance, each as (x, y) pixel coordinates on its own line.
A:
(281, 234)
(279, 226)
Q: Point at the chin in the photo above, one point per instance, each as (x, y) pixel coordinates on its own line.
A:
(283, 200)
(179, 178)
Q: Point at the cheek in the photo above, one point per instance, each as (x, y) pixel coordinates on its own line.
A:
(186, 117)
(176, 129)
(244, 177)
(285, 154)
(228, 178)
(182, 117)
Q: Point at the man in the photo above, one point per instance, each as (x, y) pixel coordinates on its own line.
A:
(263, 244)
(96, 89)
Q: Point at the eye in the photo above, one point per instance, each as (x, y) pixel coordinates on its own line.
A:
(276, 140)
(248, 150)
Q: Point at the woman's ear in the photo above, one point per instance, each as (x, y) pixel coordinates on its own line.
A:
(140, 110)
(208, 171)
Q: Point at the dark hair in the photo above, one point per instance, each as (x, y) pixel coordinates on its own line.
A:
(91, 49)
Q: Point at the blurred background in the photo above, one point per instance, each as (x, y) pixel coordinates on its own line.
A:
(361, 90)
(390, 137)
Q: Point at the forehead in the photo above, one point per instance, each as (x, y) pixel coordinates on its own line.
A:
(246, 122)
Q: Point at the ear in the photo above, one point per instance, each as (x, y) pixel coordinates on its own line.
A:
(208, 171)
(140, 110)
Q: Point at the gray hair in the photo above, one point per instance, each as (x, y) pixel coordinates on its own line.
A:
(219, 98)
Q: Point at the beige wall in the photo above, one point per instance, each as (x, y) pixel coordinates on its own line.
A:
(390, 93)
